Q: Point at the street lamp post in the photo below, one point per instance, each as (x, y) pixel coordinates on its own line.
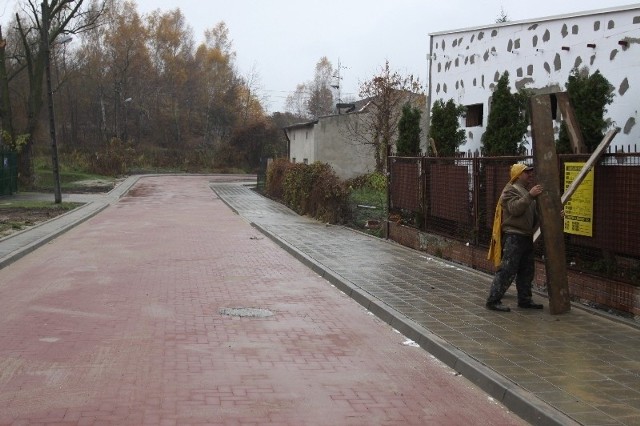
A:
(126, 118)
(46, 43)
(52, 125)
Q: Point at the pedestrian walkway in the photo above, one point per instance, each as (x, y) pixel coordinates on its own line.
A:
(169, 309)
(581, 366)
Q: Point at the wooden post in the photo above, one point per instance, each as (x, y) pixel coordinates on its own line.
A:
(549, 204)
(569, 116)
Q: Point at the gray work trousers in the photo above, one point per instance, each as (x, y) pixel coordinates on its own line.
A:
(517, 262)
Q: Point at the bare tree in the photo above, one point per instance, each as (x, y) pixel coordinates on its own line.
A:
(295, 103)
(319, 101)
(314, 98)
(251, 99)
(376, 123)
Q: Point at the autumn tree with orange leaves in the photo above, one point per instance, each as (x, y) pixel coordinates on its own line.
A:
(137, 88)
(35, 29)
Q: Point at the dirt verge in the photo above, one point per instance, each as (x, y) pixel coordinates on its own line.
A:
(16, 219)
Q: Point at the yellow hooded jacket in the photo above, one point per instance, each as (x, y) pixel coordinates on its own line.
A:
(495, 247)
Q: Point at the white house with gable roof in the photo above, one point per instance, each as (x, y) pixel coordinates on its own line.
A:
(539, 54)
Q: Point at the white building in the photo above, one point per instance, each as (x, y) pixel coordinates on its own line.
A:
(343, 140)
(540, 54)
(327, 141)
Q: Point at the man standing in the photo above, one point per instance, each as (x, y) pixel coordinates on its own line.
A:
(511, 248)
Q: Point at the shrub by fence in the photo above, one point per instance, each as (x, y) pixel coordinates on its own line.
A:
(309, 189)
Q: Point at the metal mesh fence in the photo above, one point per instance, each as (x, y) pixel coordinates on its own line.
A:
(456, 198)
(613, 249)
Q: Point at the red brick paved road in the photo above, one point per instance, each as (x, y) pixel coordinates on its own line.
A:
(120, 321)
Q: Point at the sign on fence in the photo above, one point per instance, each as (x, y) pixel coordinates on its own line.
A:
(578, 211)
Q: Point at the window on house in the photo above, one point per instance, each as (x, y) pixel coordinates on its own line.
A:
(293, 160)
(305, 161)
(474, 115)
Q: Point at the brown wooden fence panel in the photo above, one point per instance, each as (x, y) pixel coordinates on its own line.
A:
(449, 192)
(405, 184)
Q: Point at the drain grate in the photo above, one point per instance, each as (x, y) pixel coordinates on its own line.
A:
(246, 312)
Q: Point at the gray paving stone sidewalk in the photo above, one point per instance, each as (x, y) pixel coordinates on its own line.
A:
(544, 367)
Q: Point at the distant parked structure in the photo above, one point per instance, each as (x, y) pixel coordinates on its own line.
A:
(540, 54)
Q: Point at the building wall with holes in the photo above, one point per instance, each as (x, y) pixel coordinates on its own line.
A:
(539, 54)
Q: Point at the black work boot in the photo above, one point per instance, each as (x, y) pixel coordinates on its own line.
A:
(497, 306)
(530, 305)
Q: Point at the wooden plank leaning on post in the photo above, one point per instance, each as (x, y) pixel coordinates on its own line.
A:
(549, 205)
(584, 171)
(433, 146)
(573, 129)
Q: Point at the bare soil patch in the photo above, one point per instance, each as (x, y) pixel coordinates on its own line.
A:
(90, 186)
(19, 218)
(15, 219)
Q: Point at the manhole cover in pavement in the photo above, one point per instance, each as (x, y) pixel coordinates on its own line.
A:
(246, 312)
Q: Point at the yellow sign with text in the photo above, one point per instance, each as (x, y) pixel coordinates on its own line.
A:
(578, 211)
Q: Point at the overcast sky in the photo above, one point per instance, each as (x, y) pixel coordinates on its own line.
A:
(282, 40)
